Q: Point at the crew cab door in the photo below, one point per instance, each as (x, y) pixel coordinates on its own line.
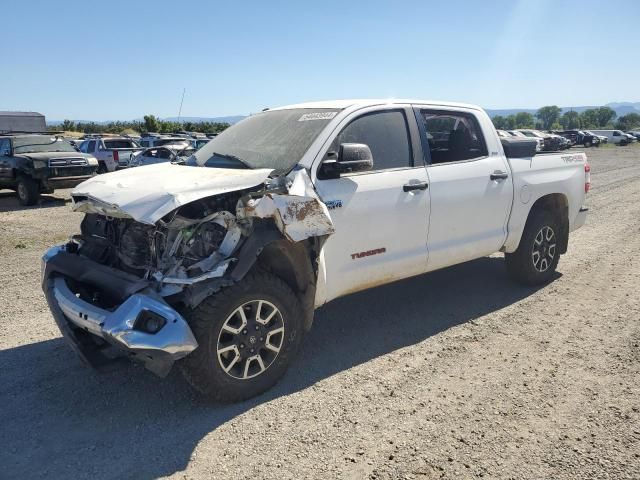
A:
(380, 215)
(469, 183)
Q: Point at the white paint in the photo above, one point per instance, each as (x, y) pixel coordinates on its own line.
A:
(149, 193)
(462, 216)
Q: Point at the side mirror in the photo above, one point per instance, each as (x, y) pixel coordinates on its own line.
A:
(352, 157)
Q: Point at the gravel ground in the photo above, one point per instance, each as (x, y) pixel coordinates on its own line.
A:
(455, 374)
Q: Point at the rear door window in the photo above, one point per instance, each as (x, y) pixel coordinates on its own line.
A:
(119, 144)
(453, 136)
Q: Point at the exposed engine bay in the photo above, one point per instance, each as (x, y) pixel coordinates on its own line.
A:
(177, 246)
(198, 241)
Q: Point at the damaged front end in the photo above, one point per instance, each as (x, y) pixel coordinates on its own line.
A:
(124, 283)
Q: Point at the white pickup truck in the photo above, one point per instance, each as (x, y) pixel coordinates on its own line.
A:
(218, 263)
(112, 153)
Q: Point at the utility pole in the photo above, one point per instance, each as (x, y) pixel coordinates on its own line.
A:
(181, 102)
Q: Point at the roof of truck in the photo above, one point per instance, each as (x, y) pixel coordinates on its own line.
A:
(340, 104)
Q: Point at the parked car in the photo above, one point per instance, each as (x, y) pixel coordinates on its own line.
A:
(552, 143)
(578, 137)
(35, 164)
(617, 137)
(153, 155)
(603, 139)
(519, 134)
(635, 133)
(631, 138)
(164, 140)
(198, 143)
(112, 152)
(220, 262)
(564, 142)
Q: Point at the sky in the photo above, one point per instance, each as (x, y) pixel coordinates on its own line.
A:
(77, 60)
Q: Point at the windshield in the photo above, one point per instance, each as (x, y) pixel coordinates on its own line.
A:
(273, 139)
(41, 143)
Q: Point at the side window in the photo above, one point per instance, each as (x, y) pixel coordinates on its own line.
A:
(387, 136)
(616, 134)
(91, 146)
(144, 143)
(453, 136)
(5, 147)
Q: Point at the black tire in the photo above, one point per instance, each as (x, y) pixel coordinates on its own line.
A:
(28, 191)
(203, 368)
(522, 265)
(588, 143)
(102, 168)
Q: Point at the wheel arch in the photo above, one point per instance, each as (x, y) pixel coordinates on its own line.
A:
(292, 262)
(558, 205)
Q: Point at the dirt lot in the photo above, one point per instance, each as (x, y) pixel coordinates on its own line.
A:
(456, 374)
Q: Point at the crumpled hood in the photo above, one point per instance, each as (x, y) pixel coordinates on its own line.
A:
(147, 194)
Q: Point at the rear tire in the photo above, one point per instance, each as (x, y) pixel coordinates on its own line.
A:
(536, 259)
(102, 168)
(28, 191)
(588, 144)
(231, 336)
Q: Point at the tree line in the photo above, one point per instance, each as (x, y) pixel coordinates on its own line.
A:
(551, 117)
(151, 123)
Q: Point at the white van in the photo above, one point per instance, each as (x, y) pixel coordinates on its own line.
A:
(614, 136)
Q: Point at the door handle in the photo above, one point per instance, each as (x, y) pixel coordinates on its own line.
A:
(498, 175)
(415, 186)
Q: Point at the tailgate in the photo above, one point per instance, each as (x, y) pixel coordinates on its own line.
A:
(124, 155)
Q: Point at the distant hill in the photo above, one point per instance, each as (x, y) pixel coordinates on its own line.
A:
(230, 119)
(621, 108)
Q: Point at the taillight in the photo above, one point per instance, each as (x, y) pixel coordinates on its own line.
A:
(587, 177)
(116, 156)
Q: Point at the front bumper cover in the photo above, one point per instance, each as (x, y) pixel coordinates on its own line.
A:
(78, 319)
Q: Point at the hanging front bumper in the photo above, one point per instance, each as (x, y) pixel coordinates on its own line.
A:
(143, 326)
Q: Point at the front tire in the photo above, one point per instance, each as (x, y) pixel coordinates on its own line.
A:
(28, 191)
(247, 335)
(536, 259)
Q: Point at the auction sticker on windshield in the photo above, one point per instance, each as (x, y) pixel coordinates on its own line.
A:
(317, 116)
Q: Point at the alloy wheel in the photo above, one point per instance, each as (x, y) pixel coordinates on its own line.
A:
(544, 249)
(250, 339)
